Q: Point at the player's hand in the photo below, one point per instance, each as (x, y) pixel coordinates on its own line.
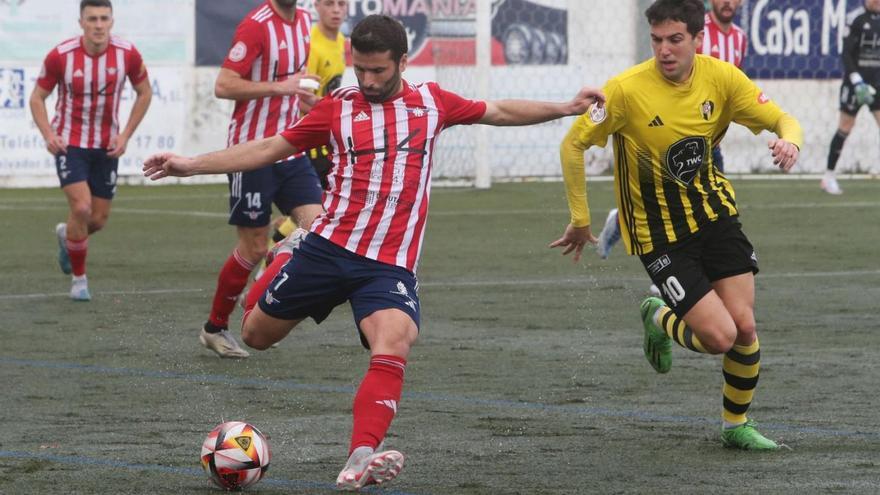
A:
(56, 145)
(864, 93)
(291, 85)
(307, 102)
(118, 144)
(586, 97)
(168, 165)
(574, 239)
(785, 154)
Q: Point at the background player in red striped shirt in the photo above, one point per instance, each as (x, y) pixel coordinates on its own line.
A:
(90, 72)
(262, 73)
(364, 249)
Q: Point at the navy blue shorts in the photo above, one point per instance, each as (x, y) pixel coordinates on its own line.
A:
(88, 164)
(322, 275)
(286, 184)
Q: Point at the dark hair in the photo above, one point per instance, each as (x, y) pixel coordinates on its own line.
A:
(94, 3)
(380, 33)
(690, 12)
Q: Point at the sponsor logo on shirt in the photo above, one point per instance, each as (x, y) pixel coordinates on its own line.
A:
(362, 116)
(762, 98)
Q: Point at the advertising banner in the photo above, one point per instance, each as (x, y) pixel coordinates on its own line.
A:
(23, 151)
(795, 39)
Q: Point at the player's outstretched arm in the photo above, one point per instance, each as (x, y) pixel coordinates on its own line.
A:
(577, 234)
(239, 158)
(528, 112)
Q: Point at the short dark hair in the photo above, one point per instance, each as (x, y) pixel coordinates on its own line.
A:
(380, 33)
(690, 12)
(94, 3)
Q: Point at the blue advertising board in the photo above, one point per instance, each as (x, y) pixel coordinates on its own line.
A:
(794, 39)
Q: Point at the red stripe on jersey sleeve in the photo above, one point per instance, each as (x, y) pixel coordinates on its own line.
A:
(137, 71)
(455, 109)
(52, 71)
(313, 130)
(247, 45)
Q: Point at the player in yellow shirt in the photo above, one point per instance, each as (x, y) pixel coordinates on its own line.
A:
(676, 213)
(327, 61)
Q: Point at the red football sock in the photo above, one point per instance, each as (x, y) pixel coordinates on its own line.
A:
(258, 288)
(76, 251)
(375, 403)
(232, 280)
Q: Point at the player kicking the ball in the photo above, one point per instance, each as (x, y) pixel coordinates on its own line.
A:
(678, 215)
(364, 248)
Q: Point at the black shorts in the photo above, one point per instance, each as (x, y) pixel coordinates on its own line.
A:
(684, 271)
(848, 103)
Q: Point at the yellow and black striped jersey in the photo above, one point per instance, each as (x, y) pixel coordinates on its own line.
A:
(663, 133)
(327, 60)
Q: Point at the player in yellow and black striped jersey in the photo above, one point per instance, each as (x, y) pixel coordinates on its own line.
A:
(677, 212)
(327, 61)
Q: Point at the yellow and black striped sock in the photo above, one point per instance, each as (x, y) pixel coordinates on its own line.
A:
(678, 330)
(740, 367)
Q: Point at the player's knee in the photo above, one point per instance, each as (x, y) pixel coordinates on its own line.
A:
(82, 211)
(254, 251)
(253, 338)
(97, 223)
(719, 340)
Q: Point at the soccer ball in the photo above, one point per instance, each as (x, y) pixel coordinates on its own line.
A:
(235, 455)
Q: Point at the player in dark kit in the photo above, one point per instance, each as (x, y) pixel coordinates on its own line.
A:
(364, 248)
(861, 75)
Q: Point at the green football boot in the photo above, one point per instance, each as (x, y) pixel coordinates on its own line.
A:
(658, 345)
(746, 437)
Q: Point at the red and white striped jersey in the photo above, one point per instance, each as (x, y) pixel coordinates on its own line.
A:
(89, 88)
(266, 47)
(729, 46)
(380, 182)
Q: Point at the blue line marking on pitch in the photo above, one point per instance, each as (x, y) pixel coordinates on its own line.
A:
(89, 461)
(426, 396)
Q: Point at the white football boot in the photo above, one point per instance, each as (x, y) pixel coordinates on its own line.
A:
(223, 344)
(79, 289)
(368, 467)
(829, 184)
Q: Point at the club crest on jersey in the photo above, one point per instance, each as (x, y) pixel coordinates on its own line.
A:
(111, 70)
(707, 108)
(762, 98)
(685, 158)
(238, 52)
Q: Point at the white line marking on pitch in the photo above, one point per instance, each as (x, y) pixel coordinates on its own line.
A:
(103, 293)
(589, 279)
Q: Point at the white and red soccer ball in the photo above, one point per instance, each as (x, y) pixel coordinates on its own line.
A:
(235, 455)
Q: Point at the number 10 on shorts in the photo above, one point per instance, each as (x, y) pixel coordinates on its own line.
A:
(673, 290)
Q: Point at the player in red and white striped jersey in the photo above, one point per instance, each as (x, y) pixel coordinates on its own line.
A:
(84, 136)
(722, 38)
(364, 249)
(262, 74)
